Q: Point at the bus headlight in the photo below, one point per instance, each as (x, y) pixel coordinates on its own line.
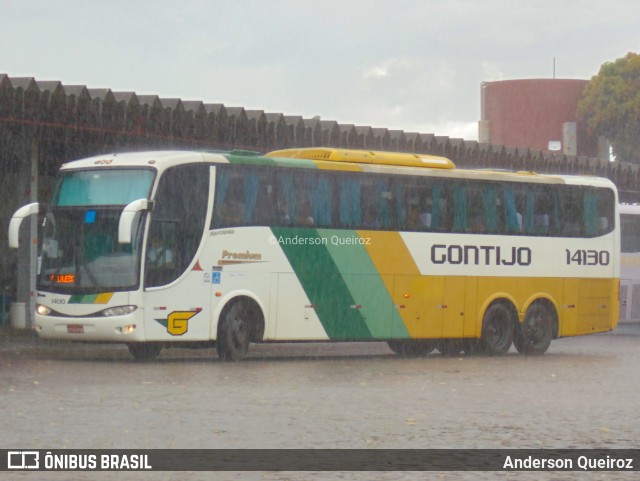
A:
(42, 310)
(118, 311)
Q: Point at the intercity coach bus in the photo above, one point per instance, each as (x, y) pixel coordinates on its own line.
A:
(157, 249)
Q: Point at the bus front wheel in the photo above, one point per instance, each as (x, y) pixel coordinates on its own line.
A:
(144, 351)
(498, 329)
(534, 335)
(234, 333)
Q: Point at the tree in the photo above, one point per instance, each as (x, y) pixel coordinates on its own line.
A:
(610, 106)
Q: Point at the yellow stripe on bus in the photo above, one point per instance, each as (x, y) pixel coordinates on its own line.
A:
(390, 255)
(103, 298)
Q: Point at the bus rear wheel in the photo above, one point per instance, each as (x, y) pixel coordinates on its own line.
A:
(144, 351)
(497, 329)
(234, 333)
(411, 347)
(534, 335)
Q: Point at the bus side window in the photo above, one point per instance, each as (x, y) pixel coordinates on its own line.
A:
(572, 212)
(349, 204)
(286, 205)
(491, 209)
(513, 218)
(178, 219)
(597, 212)
(476, 218)
(459, 208)
(384, 206)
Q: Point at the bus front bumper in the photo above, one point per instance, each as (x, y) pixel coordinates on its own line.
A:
(126, 328)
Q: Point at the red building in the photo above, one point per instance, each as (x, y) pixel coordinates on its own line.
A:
(536, 113)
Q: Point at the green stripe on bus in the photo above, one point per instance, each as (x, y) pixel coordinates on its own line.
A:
(323, 283)
(363, 280)
(270, 161)
(82, 299)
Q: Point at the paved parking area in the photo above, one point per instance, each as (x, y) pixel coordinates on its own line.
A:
(584, 393)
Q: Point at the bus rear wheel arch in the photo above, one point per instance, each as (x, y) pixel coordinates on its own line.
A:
(498, 328)
(241, 322)
(533, 336)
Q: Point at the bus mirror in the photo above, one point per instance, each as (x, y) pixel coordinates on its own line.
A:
(16, 221)
(127, 217)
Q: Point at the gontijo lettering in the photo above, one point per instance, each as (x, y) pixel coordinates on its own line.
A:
(480, 255)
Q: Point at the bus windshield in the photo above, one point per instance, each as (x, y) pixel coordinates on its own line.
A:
(103, 187)
(80, 249)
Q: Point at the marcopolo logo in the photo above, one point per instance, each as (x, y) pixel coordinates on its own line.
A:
(23, 460)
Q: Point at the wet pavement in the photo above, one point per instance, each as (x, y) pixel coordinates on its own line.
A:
(584, 393)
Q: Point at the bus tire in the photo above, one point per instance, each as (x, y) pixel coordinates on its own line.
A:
(144, 351)
(498, 326)
(234, 332)
(534, 335)
(411, 347)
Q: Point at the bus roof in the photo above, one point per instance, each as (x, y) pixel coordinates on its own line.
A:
(328, 159)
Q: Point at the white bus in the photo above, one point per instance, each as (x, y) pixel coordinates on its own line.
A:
(158, 249)
(630, 263)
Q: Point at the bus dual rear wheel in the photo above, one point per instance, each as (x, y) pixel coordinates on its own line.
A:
(498, 326)
(534, 335)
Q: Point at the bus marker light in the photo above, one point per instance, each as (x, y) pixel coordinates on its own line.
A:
(407, 296)
(310, 306)
(569, 306)
(218, 294)
(128, 329)
(356, 306)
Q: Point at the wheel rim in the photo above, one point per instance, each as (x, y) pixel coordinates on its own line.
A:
(497, 334)
(237, 332)
(498, 330)
(537, 329)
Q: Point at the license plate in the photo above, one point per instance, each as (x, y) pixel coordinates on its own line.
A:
(75, 328)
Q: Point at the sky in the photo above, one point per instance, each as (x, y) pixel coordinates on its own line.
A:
(412, 65)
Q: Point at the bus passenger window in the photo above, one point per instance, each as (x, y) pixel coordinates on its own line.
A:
(476, 222)
(513, 218)
(598, 206)
(305, 217)
(413, 218)
(349, 203)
